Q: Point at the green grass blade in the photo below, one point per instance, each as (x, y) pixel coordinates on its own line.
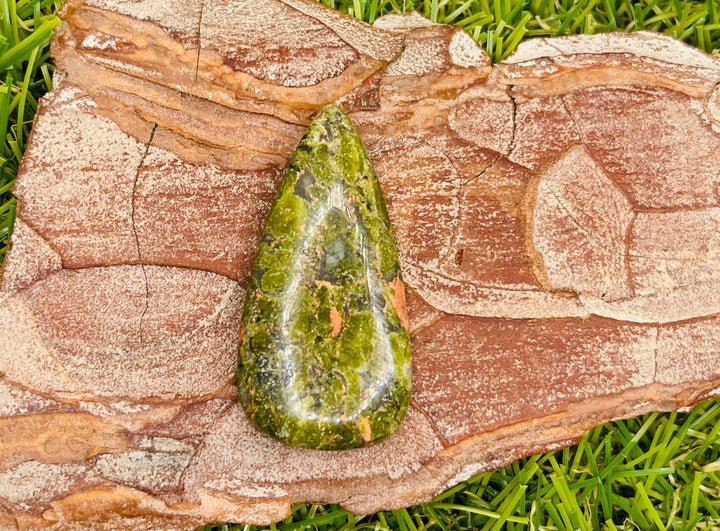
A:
(23, 49)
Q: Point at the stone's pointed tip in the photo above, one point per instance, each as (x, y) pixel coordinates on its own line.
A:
(325, 354)
(334, 114)
(332, 108)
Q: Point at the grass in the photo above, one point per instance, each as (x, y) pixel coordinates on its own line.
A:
(500, 25)
(25, 74)
(659, 471)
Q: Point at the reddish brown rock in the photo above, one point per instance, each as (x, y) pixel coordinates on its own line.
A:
(233, 204)
(56, 438)
(538, 119)
(31, 259)
(556, 216)
(489, 240)
(580, 222)
(98, 229)
(153, 315)
(683, 176)
(508, 370)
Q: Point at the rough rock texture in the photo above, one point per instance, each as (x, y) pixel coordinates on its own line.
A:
(556, 216)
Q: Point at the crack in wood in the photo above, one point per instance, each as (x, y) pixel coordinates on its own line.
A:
(513, 134)
(201, 444)
(135, 233)
(608, 175)
(511, 144)
(441, 437)
(199, 41)
(656, 352)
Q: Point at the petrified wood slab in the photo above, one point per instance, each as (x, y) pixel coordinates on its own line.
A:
(557, 216)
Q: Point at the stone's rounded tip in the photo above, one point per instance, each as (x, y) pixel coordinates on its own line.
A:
(335, 434)
(324, 358)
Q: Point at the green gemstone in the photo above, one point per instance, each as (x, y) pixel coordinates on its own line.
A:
(324, 349)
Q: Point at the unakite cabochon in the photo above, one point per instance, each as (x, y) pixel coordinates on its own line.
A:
(325, 351)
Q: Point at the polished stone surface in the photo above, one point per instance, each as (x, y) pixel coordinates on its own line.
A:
(325, 351)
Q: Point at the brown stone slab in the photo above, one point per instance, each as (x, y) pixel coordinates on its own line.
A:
(96, 177)
(537, 120)
(237, 459)
(508, 370)
(32, 259)
(183, 26)
(208, 201)
(580, 227)
(153, 315)
(651, 182)
(556, 216)
(489, 240)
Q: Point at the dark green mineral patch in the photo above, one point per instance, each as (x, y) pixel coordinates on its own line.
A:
(325, 350)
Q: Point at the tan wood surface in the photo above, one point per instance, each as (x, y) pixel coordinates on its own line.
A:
(557, 216)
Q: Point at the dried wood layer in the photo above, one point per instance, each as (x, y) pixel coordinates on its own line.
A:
(557, 215)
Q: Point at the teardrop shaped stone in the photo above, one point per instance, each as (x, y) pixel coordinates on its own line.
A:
(324, 348)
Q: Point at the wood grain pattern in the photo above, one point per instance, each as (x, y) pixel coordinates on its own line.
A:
(556, 215)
